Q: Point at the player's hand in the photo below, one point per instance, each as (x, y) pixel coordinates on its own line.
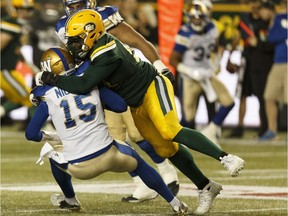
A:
(232, 68)
(50, 136)
(34, 100)
(167, 73)
(46, 78)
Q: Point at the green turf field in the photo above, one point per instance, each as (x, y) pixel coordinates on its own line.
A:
(261, 189)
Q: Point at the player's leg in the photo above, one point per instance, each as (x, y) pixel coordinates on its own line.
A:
(159, 107)
(68, 200)
(213, 130)
(15, 90)
(152, 179)
(166, 170)
(182, 159)
(191, 92)
(59, 171)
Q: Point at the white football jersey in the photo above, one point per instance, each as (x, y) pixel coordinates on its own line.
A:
(79, 121)
(196, 48)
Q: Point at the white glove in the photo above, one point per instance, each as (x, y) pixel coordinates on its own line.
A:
(34, 100)
(50, 136)
(38, 80)
(195, 74)
(46, 150)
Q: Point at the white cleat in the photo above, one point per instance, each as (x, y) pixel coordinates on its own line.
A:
(180, 210)
(207, 196)
(233, 164)
(60, 201)
(141, 193)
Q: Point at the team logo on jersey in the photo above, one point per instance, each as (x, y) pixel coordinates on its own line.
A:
(46, 65)
(89, 27)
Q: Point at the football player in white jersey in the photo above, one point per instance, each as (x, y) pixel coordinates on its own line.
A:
(195, 44)
(88, 149)
(121, 123)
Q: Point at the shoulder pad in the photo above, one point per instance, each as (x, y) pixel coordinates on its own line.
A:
(106, 11)
(61, 23)
(10, 25)
(40, 91)
(103, 49)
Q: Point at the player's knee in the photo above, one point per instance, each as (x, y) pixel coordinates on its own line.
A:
(135, 136)
(168, 132)
(168, 151)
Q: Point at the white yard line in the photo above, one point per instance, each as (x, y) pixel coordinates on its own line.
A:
(229, 191)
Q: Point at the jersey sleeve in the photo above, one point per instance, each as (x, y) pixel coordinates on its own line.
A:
(60, 29)
(110, 15)
(182, 41)
(33, 130)
(10, 26)
(112, 101)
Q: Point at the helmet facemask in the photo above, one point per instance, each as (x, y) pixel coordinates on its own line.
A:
(72, 6)
(198, 15)
(77, 47)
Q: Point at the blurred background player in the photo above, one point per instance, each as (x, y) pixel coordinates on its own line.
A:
(120, 125)
(276, 87)
(257, 59)
(88, 149)
(196, 42)
(15, 71)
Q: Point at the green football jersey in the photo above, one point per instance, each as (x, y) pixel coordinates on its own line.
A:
(114, 65)
(10, 55)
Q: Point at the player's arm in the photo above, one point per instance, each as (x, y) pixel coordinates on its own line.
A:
(33, 131)
(5, 39)
(111, 100)
(129, 36)
(93, 76)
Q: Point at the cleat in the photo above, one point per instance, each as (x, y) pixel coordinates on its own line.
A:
(59, 201)
(141, 193)
(233, 164)
(133, 199)
(237, 132)
(267, 136)
(180, 210)
(174, 187)
(207, 196)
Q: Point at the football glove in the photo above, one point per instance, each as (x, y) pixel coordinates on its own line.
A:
(46, 78)
(167, 73)
(49, 136)
(231, 68)
(34, 100)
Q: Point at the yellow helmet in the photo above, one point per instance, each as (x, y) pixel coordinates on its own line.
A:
(57, 61)
(83, 29)
(23, 3)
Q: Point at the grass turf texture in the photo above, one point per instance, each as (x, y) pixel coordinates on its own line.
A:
(266, 165)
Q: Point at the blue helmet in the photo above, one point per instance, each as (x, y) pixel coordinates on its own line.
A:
(85, 4)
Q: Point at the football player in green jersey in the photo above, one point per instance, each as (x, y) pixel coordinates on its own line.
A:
(149, 94)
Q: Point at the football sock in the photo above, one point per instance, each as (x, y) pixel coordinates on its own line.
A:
(198, 142)
(221, 114)
(152, 179)
(9, 106)
(63, 179)
(175, 202)
(183, 160)
(148, 148)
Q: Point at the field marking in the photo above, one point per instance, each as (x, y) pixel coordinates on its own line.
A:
(229, 191)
